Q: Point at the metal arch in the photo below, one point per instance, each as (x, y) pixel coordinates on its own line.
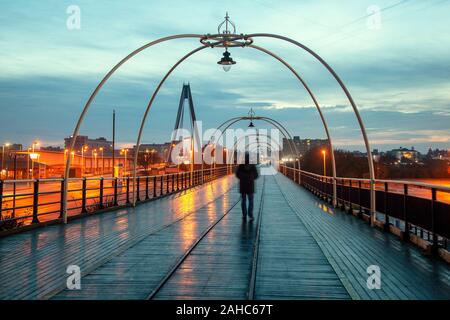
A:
(319, 110)
(283, 130)
(92, 97)
(155, 93)
(101, 84)
(253, 135)
(361, 124)
(353, 104)
(147, 110)
(276, 124)
(257, 145)
(253, 142)
(327, 132)
(306, 87)
(285, 133)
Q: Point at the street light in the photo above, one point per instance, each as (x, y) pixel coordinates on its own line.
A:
(66, 151)
(146, 159)
(83, 149)
(124, 151)
(103, 161)
(324, 153)
(226, 62)
(251, 114)
(94, 154)
(226, 158)
(33, 156)
(3, 156)
(211, 40)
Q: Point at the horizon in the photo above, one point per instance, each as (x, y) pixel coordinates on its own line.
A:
(401, 89)
(120, 146)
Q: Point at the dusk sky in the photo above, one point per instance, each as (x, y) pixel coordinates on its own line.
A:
(398, 70)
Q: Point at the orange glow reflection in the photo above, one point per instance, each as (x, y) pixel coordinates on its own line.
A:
(189, 226)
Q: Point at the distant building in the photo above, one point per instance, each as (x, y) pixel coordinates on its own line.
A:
(438, 154)
(162, 149)
(11, 147)
(404, 154)
(359, 154)
(90, 143)
(50, 148)
(302, 145)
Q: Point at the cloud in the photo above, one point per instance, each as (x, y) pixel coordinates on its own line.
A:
(400, 82)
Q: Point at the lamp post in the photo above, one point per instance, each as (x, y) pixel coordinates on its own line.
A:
(226, 158)
(3, 157)
(324, 153)
(83, 164)
(226, 62)
(220, 40)
(146, 159)
(251, 114)
(28, 164)
(33, 157)
(72, 153)
(103, 160)
(95, 166)
(153, 151)
(124, 151)
(66, 152)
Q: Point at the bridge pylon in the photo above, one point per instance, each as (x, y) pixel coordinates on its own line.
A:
(186, 95)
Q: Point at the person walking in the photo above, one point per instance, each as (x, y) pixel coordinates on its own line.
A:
(247, 174)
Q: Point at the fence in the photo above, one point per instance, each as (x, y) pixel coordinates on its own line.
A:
(27, 202)
(415, 208)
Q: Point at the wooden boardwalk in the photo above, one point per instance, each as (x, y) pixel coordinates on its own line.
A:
(291, 264)
(195, 245)
(33, 264)
(351, 245)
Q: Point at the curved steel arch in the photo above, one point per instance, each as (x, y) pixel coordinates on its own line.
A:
(231, 37)
(352, 103)
(257, 145)
(100, 86)
(94, 94)
(319, 110)
(253, 142)
(276, 124)
(253, 135)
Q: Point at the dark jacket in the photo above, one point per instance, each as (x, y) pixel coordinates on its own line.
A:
(247, 174)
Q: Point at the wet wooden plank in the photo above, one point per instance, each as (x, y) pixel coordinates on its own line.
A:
(134, 273)
(220, 266)
(351, 245)
(291, 265)
(307, 251)
(39, 258)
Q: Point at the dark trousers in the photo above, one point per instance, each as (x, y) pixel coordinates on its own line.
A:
(246, 211)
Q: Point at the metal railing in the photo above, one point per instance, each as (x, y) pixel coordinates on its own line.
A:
(28, 202)
(413, 207)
